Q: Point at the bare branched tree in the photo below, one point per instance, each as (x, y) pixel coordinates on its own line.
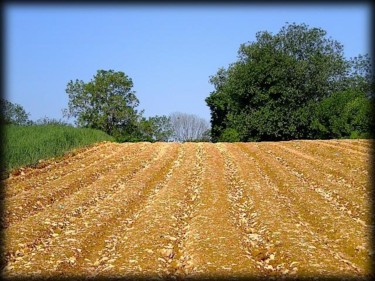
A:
(189, 127)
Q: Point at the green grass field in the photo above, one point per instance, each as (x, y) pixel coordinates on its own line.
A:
(26, 145)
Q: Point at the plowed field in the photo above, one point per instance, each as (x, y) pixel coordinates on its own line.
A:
(284, 209)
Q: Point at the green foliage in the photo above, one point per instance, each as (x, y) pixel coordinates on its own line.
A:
(152, 129)
(343, 114)
(25, 145)
(360, 75)
(12, 113)
(230, 135)
(160, 128)
(105, 103)
(272, 91)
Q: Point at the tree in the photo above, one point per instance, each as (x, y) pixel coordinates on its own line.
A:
(343, 114)
(270, 92)
(360, 75)
(13, 113)
(161, 128)
(188, 127)
(106, 103)
(155, 128)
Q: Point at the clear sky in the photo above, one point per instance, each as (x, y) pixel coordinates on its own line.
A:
(169, 51)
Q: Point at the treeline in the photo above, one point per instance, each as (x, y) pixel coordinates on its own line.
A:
(292, 85)
(108, 103)
(15, 114)
(118, 117)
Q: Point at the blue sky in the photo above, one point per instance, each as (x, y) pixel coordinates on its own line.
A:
(168, 51)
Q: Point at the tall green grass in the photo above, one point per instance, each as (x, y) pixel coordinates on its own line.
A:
(26, 145)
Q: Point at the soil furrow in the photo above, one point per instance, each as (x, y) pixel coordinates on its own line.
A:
(350, 194)
(363, 146)
(23, 237)
(325, 164)
(345, 148)
(126, 207)
(342, 159)
(20, 177)
(255, 237)
(340, 231)
(187, 211)
(37, 182)
(31, 202)
(73, 243)
(213, 240)
(367, 145)
(160, 222)
(291, 243)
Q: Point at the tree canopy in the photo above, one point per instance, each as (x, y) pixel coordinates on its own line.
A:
(281, 84)
(106, 103)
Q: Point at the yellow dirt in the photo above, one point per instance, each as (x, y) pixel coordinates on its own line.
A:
(193, 210)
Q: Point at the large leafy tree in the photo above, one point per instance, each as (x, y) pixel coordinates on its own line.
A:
(106, 103)
(271, 91)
